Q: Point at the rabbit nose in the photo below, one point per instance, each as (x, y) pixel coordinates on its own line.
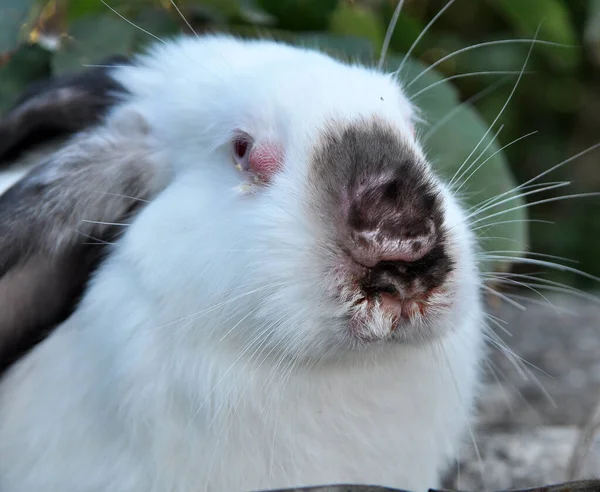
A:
(373, 247)
(386, 225)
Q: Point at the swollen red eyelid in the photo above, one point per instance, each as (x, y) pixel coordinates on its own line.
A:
(265, 160)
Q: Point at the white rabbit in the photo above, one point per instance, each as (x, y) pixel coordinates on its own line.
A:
(294, 302)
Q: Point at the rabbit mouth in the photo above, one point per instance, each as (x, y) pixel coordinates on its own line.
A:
(390, 301)
(392, 315)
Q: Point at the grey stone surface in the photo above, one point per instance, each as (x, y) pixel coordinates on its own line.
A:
(561, 346)
(528, 425)
(523, 459)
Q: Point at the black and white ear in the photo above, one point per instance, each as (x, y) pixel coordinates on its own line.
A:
(58, 107)
(57, 223)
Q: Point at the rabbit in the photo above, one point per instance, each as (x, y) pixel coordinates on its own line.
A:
(244, 274)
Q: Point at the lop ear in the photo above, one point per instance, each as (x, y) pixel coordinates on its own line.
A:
(59, 221)
(59, 107)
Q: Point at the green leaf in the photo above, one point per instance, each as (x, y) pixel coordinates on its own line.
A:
(83, 8)
(341, 47)
(356, 20)
(251, 11)
(91, 39)
(128, 8)
(406, 31)
(14, 13)
(227, 8)
(300, 15)
(556, 26)
(160, 23)
(28, 64)
(592, 30)
(94, 38)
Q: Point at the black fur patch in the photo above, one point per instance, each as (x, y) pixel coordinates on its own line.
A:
(54, 290)
(367, 178)
(58, 222)
(58, 108)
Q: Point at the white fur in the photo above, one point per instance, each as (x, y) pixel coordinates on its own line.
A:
(206, 354)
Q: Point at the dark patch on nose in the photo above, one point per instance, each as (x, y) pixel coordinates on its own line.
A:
(386, 209)
(399, 277)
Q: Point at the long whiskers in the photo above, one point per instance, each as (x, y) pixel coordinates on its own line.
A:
(503, 297)
(183, 17)
(133, 23)
(451, 114)
(496, 198)
(416, 95)
(538, 202)
(501, 149)
(420, 36)
(120, 224)
(388, 35)
(218, 305)
(482, 45)
(510, 96)
(482, 153)
(549, 264)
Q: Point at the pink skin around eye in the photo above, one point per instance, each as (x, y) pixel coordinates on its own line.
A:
(265, 160)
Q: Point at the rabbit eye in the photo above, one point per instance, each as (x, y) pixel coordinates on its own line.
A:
(241, 147)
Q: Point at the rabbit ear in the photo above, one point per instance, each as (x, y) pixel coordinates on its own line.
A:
(59, 221)
(58, 108)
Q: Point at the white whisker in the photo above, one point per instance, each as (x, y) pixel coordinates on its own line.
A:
(533, 289)
(463, 76)
(530, 253)
(501, 222)
(503, 297)
(482, 45)
(133, 24)
(510, 96)
(560, 164)
(489, 158)
(490, 143)
(539, 189)
(538, 202)
(500, 344)
(556, 266)
(473, 99)
(389, 33)
(553, 285)
(183, 17)
(497, 322)
(420, 36)
(95, 239)
(105, 223)
(493, 201)
(122, 196)
(93, 65)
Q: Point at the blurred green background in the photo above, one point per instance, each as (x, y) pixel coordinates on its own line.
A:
(558, 97)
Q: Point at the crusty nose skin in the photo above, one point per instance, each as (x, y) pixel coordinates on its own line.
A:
(386, 225)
